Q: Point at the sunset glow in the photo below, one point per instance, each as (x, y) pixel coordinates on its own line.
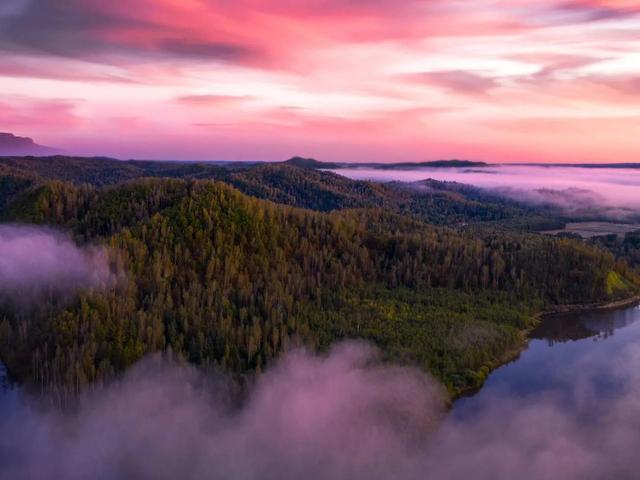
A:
(359, 80)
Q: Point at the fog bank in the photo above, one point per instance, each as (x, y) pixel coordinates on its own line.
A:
(38, 260)
(613, 192)
(337, 416)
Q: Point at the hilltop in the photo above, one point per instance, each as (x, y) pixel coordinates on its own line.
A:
(317, 164)
(11, 144)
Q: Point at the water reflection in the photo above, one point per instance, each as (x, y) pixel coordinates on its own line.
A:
(8, 391)
(598, 325)
(5, 383)
(578, 359)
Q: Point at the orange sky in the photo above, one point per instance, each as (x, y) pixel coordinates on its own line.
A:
(358, 80)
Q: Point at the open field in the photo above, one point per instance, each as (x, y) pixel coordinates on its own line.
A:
(595, 229)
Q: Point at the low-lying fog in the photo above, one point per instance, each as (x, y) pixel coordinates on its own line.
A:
(613, 192)
(39, 260)
(339, 416)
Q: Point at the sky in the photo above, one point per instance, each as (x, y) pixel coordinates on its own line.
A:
(358, 80)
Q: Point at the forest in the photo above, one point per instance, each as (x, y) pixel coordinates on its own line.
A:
(227, 267)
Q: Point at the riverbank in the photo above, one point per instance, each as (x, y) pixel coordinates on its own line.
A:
(588, 307)
(513, 354)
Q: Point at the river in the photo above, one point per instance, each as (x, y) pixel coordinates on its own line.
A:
(572, 357)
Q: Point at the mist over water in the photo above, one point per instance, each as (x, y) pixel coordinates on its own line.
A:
(567, 408)
(344, 415)
(613, 192)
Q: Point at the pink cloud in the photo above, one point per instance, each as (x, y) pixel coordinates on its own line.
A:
(424, 78)
(209, 100)
(23, 114)
(458, 81)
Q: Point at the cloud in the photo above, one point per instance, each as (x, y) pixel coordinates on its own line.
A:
(458, 81)
(62, 28)
(45, 68)
(209, 100)
(597, 10)
(333, 59)
(626, 85)
(606, 192)
(36, 261)
(93, 30)
(583, 434)
(338, 416)
(207, 50)
(217, 29)
(553, 65)
(9, 8)
(24, 113)
(343, 415)
(575, 202)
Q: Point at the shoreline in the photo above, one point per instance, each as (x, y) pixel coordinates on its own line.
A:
(513, 354)
(586, 307)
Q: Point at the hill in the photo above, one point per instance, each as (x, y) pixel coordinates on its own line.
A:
(14, 145)
(311, 163)
(434, 164)
(227, 280)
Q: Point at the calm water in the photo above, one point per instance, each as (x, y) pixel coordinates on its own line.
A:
(8, 392)
(582, 360)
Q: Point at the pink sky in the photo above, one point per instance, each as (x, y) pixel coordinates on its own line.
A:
(358, 80)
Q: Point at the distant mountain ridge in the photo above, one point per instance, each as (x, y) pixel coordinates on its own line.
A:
(11, 145)
(304, 162)
(313, 163)
(433, 164)
(598, 165)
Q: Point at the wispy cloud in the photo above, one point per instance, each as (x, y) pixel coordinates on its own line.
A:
(459, 81)
(207, 100)
(490, 60)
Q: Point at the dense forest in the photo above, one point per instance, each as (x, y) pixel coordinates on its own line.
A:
(625, 247)
(228, 267)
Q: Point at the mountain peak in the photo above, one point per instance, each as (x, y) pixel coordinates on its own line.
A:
(12, 145)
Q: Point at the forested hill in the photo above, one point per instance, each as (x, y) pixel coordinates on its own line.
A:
(431, 201)
(100, 171)
(313, 163)
(229, 281)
